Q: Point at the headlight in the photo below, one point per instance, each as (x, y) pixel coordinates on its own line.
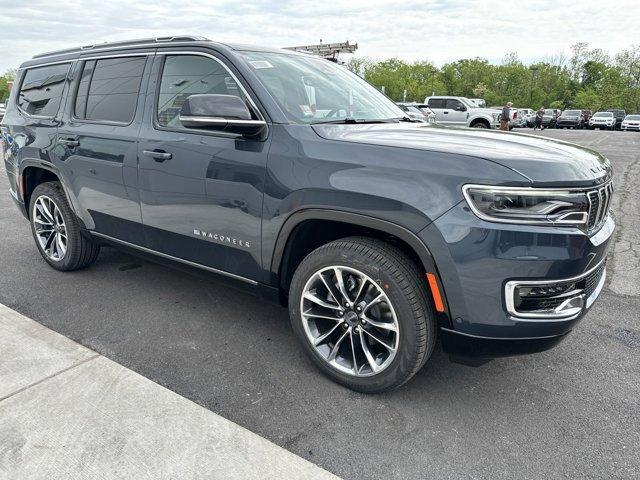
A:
(530, 206)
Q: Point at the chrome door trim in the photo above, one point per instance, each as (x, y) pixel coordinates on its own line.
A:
(176, 259)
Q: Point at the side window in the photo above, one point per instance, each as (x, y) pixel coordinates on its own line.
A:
(41, 90)
(436, 103)
(185, 75)
(109, 88)
(452, 103)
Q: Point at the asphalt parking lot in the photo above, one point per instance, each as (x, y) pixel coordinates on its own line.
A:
(572, 412)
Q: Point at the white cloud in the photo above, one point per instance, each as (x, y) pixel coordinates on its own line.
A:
(436, 30)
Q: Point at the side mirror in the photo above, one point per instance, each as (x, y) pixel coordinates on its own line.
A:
(461, 108)
(221, 113)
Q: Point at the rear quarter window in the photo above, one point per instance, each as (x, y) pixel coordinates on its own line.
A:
(108, 89)
(41, 90)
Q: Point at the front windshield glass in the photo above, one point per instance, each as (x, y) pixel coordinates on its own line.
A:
(633, 117)
(469, 103)
(603, 114)
(313, 90)
(549, 112)
(572, 113)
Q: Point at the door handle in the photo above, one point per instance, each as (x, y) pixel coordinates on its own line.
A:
(446, 113)
(157, 155)
(69, 142)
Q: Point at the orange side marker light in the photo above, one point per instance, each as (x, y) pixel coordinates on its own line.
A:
(435, 291)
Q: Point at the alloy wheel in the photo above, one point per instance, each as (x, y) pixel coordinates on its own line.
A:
(349, 321)
(50, 228)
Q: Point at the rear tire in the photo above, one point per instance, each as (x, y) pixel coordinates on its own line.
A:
(56, 230)
(380, 270)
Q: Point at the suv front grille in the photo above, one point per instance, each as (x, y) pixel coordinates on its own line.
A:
(599, 203)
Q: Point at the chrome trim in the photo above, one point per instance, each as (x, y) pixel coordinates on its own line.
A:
(594, 295)
(497, 338)
(177, 259)
(510, 287)
(222, 120)
(604, 233)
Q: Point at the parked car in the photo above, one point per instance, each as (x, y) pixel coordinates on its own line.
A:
(631, 122)
(289, 175)
(619, 116)
(424, 108)
(529, 116)
(550, 117)
(461, 112)
(519, 118)
(413, 112)
(602, 120)
(570, 119)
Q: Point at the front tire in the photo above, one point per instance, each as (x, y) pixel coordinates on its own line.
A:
(360, 309)
(56, 230)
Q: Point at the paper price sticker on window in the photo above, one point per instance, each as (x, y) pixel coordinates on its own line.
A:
(257, 64)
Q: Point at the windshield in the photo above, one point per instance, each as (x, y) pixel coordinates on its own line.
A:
(549, 112)
(632, 117)
(312, 90)
(603, 114)
(468, 102)
(572, 113)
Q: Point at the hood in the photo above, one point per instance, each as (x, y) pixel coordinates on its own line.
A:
(541, 160)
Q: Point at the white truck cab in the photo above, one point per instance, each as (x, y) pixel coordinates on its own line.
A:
(462, 112)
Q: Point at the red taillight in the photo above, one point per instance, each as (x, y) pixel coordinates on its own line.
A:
(435, 291)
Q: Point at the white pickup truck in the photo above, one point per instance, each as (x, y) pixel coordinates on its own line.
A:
(462, 112)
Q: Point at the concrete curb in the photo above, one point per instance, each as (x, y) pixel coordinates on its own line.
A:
(68, 412)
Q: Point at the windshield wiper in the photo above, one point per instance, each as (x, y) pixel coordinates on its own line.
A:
(351, 121)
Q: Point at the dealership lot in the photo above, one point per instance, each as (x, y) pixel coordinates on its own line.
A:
(571, 412)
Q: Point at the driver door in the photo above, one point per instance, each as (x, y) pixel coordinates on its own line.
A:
(457, 112)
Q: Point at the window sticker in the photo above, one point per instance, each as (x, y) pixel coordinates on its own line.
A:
(306, 110)
(260, 64)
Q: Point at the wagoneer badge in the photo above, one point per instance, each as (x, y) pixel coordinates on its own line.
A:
(221, 238)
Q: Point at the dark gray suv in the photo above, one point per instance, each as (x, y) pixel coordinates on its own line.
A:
(290, 176)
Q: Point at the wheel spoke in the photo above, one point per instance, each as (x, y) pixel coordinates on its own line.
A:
(363, 282)
(311, 297)
(60, 247)
(324, 336)
(384, 344)
(340, 280)
(377, 299)
(382, 325)
(336, 347)
(353, 352)
(331, 288)
(40, 206)
(41, 221)
(367, 353)
(308, 313)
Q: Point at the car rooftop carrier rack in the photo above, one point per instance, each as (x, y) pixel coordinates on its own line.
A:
(126, 43)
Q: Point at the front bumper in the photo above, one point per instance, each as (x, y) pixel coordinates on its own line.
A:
(631, 127)
(478, 260)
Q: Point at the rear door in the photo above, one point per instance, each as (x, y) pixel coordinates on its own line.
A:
(98, 142)
(201, 191)
(438, 106)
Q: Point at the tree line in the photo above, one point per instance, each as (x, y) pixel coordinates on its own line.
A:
(585, 79)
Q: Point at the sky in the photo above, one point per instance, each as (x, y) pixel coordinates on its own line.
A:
(435, 30)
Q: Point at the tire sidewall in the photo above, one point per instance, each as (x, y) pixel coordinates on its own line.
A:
(404, 361)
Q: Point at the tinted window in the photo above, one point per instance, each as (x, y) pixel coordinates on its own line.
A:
(185, 75)
(436, 102)
(109, 89)
(41, 90)
(452, 103)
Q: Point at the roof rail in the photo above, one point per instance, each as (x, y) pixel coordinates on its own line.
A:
(125, 43)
